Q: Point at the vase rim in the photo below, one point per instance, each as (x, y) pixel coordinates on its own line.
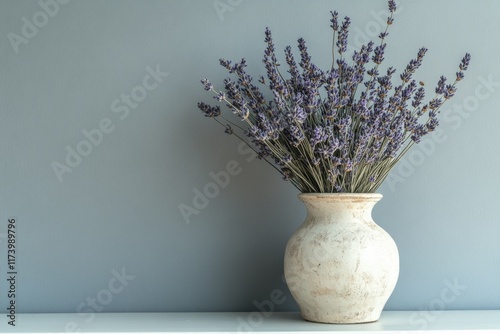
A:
(341, 196)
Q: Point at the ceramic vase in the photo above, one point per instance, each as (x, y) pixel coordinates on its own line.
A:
(340, 266)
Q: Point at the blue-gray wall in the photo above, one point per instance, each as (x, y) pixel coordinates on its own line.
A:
(110, 227)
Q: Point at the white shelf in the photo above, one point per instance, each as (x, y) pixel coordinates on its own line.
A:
(256, 322)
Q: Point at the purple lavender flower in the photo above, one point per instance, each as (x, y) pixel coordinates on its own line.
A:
(418, 97)
(207, 85)
(440, 88)
(220, 96)
(449, 91)
(339, 130)
(413, 65)
(378, 56)
(209, 111)
(464, 64)
(305, 59)
(317, 135)
(294, 72)
(227, 64)
(343, 34)
(334, 20)
(419, 131)
(432, 120)
(435, 103)
(286, 159)
(392, 6)
(297, 114)
(270, 50)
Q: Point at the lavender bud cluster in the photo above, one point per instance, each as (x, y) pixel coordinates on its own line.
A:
(339, 130)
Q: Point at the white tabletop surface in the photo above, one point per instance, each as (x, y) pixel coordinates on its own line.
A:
(255, 322)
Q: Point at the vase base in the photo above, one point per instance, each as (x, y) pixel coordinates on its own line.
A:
(341, 320)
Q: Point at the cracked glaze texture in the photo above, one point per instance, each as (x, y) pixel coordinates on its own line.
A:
(340, 266)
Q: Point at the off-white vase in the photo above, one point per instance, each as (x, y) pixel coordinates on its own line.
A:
(340, 266)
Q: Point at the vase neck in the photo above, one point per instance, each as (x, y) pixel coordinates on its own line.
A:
(340, 206)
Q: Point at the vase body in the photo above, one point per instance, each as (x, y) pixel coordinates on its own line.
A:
(340, 266)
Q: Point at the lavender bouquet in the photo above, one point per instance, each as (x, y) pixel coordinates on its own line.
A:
(339, 130)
